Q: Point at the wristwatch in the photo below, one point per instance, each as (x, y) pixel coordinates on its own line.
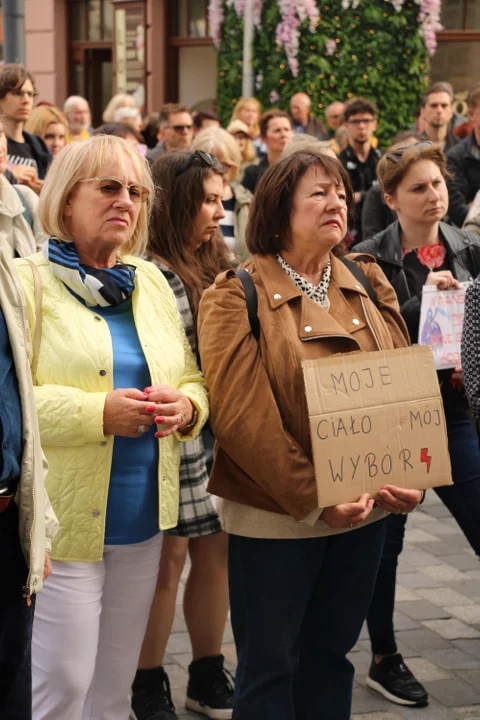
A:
(192, 422)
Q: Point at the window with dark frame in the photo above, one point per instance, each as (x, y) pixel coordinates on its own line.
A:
(189, 21)
(457, 58)
(90, 20)
(90, 33)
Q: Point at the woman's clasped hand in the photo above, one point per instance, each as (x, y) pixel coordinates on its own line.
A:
(392, 499)
(130, 412)
(443, 279)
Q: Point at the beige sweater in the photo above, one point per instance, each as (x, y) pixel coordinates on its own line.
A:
(251, 522)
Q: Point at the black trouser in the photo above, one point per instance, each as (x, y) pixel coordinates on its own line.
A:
(16, 620)
(462, 499)
(297, 609)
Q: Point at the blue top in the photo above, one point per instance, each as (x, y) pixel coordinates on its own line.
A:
(132, 508)
(11, 443)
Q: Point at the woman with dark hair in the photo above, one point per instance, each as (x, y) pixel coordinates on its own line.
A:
(301, 576)
(236, 199)
(416, 250)
(185, 243)
(376, 214)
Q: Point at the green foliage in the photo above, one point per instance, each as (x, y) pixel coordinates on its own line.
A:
(229, 65)
(379, 55)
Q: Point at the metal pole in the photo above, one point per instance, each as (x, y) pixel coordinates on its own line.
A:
(14, 31)
(247, 85)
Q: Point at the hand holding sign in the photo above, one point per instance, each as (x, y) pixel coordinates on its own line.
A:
(347, 515)
(398, 500)
(443, 280)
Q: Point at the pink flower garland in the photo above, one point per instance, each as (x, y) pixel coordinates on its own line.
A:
(330, 46)
(215, 21)
(429, 20)
(294, 12)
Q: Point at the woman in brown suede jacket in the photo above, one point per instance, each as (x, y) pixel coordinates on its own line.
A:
(301, 576)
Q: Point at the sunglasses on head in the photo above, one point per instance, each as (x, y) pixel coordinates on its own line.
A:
(398, 154)
(204, 158)
(110, 187)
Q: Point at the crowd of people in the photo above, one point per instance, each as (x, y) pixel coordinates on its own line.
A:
(132, 255)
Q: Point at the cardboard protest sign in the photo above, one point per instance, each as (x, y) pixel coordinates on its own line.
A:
(441, 323)
(375, 419)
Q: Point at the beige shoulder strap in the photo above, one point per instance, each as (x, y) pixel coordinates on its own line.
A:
(37, 336)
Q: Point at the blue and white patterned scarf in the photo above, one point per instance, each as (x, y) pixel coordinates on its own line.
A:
(95, 286)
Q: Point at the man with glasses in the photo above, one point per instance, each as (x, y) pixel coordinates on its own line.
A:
(360, 158)
(28, 156)
(175, 130)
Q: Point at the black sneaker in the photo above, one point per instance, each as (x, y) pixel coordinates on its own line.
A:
(210, 688)
(151, 696)
(392, 679)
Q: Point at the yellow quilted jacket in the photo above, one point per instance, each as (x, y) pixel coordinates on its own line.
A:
(74, 375)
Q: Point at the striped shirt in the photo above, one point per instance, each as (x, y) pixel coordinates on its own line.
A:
(227, 223)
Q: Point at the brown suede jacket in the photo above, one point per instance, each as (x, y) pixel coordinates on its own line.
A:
(257, 397)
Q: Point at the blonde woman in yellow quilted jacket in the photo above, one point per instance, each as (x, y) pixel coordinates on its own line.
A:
(117, 389)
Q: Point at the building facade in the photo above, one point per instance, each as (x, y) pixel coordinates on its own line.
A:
(160, 50)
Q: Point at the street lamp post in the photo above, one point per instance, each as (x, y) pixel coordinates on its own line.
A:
(14, 31)
(247, 84)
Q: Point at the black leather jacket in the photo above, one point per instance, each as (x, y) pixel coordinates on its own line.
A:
(463, 255)
(463, 161)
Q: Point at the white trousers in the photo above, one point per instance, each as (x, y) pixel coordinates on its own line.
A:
(90, 620)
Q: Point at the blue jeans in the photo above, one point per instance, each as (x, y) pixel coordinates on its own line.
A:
(297, 609)
(462, 499)
(16, 621)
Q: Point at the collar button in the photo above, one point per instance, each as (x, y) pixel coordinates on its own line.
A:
(308, 328)
(277, 296)
(356, 321)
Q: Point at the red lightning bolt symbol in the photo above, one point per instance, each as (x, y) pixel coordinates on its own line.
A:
(426, 458)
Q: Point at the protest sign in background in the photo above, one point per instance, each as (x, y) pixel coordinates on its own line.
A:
(441, 323)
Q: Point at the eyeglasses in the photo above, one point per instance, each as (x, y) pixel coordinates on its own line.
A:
(18, 92)
(179, 128)
(361, 121)
(398, 154)
(111, 187)
(205, 159)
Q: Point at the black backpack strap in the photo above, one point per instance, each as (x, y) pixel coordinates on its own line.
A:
(252, 301)
(362, 278)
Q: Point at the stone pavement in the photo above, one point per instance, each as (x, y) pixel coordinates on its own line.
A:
(437, 621)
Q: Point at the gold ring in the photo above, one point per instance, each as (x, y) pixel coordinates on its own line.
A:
(141, 429)
(182, 416)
